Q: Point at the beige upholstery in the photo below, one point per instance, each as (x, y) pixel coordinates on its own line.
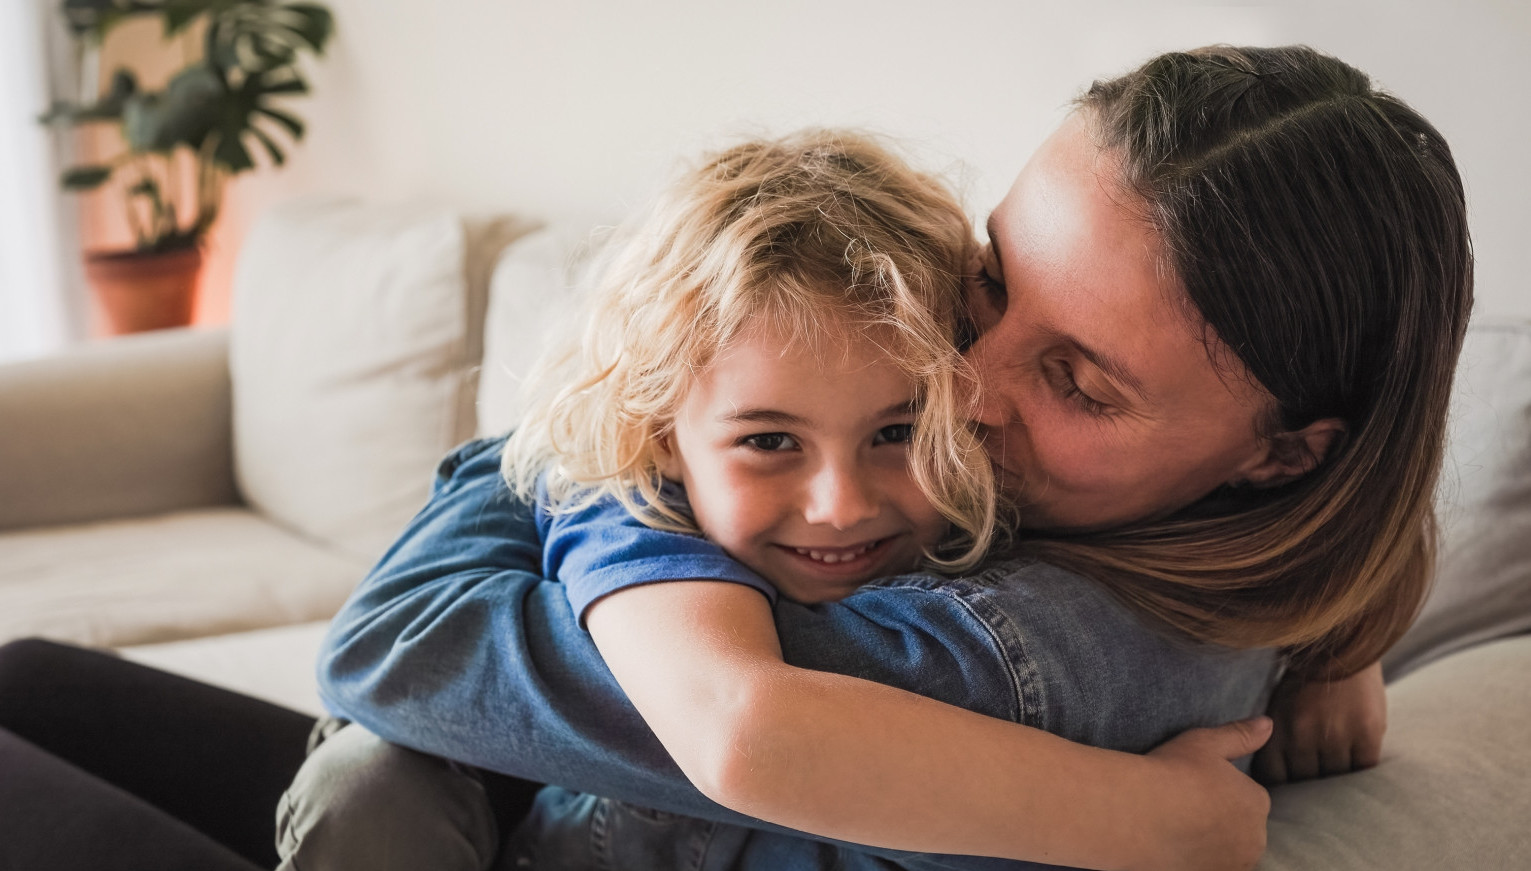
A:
(356, 341)
(350, 370)
(176, 575)
(534, 302)
(1483, 581)
(1454, 787)
(123, 428)
(275, 664)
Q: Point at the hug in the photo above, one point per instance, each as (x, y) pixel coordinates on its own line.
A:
(838, 539)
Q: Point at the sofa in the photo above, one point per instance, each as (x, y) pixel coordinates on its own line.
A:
(202, 500)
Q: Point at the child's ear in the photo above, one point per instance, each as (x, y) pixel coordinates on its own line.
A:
(666, 457)
(1288, 456)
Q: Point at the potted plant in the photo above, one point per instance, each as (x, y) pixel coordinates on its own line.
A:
(183, 142)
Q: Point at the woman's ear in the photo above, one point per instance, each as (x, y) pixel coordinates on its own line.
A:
(1290, 455)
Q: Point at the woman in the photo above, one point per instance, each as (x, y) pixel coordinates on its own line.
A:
(1219, 317)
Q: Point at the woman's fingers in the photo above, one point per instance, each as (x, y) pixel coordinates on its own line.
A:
(1240, 739)
(1333, 759)
(1270, 763)
(1302, 760)
(1367, 751)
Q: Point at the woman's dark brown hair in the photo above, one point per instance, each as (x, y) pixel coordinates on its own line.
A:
(1319, 229)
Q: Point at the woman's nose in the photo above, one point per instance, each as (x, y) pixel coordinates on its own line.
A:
(840, 497)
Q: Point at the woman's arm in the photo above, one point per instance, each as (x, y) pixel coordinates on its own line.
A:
(456, 646)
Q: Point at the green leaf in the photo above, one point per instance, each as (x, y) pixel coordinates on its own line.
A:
(84, 178)
(232, 155)
(91, 19)
(123, 86)
(317, 27)
(224, 56)
(272, 53)
(277, 157)
(109, 108)
(294, 85)
(292, 123)
(191, 107)
(141, 122)
(179, 14)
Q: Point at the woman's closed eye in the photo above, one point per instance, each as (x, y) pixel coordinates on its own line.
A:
(770, 442)
(1068, 387)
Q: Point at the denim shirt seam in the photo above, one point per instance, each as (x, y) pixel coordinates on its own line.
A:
(1010, 649)
(973, 595)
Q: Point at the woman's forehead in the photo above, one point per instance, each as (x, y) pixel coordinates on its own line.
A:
(1086, 270)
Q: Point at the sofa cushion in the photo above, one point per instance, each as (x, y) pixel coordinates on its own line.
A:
(353, 357)
(132, 426)
(535, 300)
(177, 575)
(275, 664)
(1482, 587)
(1450, 791)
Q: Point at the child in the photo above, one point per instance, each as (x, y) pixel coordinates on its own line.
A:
(771, 361)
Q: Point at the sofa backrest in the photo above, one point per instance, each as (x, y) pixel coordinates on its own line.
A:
(1482, 587)
(535, 301)
(357, 330)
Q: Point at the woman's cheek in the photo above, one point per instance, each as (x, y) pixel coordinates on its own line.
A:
(1075, 458)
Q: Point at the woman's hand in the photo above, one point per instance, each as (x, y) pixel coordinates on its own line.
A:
(1324, 727)
(1210, 816)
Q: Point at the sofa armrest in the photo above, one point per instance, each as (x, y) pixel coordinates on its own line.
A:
(132, 426)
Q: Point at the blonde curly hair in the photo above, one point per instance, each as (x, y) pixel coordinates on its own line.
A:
(825, 234)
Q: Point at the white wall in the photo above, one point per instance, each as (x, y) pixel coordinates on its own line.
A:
(576, 109)
(34, 317)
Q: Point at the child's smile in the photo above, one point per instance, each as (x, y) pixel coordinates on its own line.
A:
(797, 463)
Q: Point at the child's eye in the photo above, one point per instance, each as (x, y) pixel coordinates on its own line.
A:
(897, 434)
(770, 441)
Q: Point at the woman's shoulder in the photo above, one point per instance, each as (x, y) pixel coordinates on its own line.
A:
(1087, 665)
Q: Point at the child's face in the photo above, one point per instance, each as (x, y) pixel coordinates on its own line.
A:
(797, 464)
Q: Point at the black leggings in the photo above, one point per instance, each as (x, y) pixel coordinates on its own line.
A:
(108, 764)
(122, 753)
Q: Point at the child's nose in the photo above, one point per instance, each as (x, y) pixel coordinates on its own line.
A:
(840, 497)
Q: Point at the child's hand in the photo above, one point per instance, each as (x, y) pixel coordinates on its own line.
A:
(1211, 816)
(1324, 727)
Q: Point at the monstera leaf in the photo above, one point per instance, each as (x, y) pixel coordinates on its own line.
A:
(108, 108)
(183, 114)
(222, 107)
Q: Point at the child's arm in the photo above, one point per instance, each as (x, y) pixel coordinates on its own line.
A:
(858, 761)
(1324, 728)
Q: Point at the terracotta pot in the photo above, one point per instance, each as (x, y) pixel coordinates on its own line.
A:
(141, 292)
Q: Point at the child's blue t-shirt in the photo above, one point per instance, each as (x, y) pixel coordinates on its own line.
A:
(601, 548)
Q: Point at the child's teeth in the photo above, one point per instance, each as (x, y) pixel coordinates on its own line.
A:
(833, 557)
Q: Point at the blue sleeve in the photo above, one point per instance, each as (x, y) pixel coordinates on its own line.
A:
(601, 548)
(456, 645)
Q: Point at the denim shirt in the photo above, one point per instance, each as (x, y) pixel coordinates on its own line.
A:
(456, 645)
